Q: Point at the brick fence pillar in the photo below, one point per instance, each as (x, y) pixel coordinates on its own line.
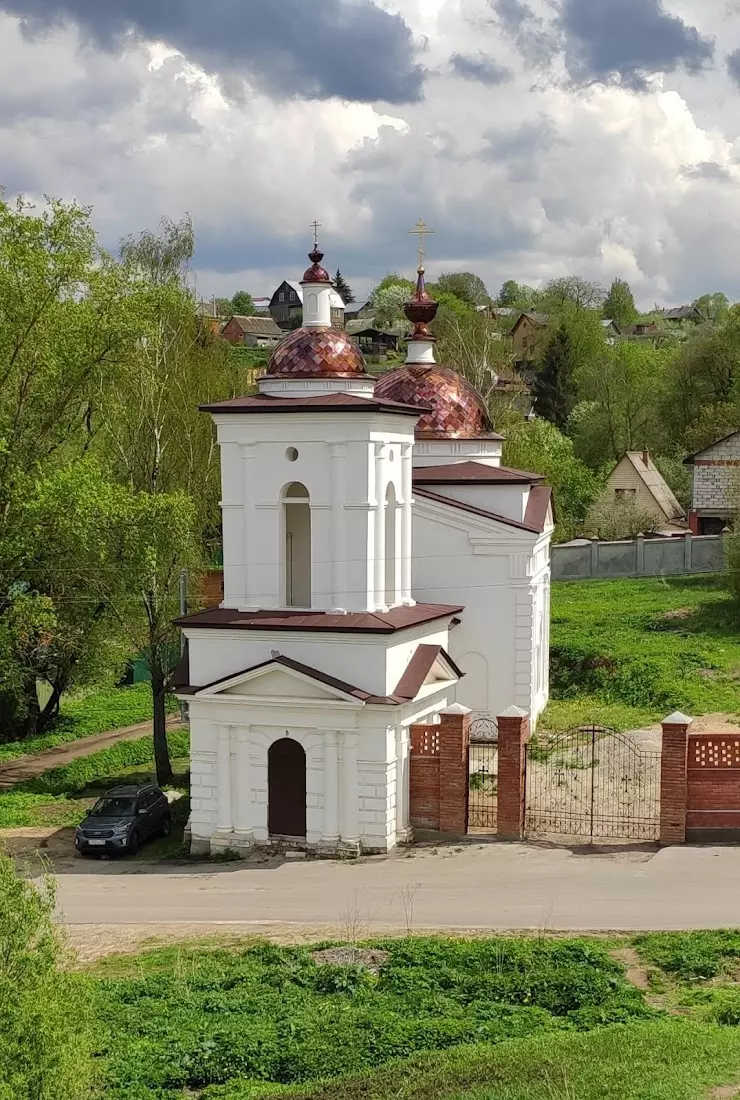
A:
(513, 734)
(673, 779)
(454, 739)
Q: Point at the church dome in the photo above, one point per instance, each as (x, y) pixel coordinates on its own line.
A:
(316, 352)
(457, 410)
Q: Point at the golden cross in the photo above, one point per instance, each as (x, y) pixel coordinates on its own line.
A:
(316, 226)
(421, 230)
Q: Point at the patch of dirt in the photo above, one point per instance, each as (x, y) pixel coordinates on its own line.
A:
(351, 956)
(724, 1092)
(678, 614)
(635, 973)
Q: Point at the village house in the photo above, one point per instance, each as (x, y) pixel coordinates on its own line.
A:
(684, 313)
(529, 335)
(636, 480)
(716, 491)
(259, 331)
(373, 341)
(286, 306)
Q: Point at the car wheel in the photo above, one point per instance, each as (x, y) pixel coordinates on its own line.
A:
(133, 844)
(167, 826)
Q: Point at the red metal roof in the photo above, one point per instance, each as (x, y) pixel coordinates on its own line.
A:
(456, 411)
(365, 622)
(332, 402)
(460, 473)
(317, 352)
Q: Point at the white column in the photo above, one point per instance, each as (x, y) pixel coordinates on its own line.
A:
(379, 529)
(330, 836)
(403, 746)
(350, 788)
(398, 551)
(407, 525)
(242, 786)
(225, 822)
(338, 520)
(249, 600)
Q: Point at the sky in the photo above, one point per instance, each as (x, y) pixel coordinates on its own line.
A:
(538, 138)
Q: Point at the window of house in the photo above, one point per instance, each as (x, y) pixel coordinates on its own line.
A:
(282, 295)
(292, 295)
(625, 496)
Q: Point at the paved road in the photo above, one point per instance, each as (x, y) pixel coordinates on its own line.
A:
(493, 886)
(28, 767)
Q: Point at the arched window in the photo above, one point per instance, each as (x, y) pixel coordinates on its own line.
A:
(391, 595)
(297, 526)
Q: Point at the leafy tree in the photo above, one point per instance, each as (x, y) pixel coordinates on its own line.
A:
(343, 288)
(715, 307)
(467, 287)
(621, 389)
(388, 304)
(573, 290)
(46, 1051)
(242, 304)
(476, 349)
(539, 446)
(393, 279)
(224, 308)
(519, 296)
(65, 331)
(620, 305)
(510, 293)
(554, 390)
(624, 520)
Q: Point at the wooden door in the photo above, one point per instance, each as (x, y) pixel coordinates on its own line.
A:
(286, 789)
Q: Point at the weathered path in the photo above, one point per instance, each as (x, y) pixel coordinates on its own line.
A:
(481, 886)
(28, 767)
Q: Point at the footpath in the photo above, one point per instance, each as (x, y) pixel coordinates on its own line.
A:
(28, 767)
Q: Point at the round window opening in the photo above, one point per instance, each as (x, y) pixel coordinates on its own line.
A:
(291, 454)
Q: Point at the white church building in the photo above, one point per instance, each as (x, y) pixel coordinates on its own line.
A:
(380, 567)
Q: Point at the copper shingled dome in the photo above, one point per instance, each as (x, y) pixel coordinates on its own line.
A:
(311, 352)
(316, 273)
(457, 411)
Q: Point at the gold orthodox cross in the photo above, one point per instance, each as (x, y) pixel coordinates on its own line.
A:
(421, 230)
(316, 226)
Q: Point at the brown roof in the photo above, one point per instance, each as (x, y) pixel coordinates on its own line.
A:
(333, 402)
(538, 505)
(408, 687)
(461, 473)
(534, 525)
(365, 622)
(258, 326)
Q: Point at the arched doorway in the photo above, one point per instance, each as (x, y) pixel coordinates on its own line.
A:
(297, 510)
(286, 789)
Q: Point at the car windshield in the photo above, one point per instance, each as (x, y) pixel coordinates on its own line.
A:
(114, 807)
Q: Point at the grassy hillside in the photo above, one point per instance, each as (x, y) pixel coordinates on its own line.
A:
(627, 653)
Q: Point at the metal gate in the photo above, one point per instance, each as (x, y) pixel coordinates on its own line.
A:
(483, 779)
(594, 782)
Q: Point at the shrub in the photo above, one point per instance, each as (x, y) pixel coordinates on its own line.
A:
(45, 1019)
(690, 956)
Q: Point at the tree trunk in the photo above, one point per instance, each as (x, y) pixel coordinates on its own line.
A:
(161, 749)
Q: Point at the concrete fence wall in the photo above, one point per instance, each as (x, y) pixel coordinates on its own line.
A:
(639, 557)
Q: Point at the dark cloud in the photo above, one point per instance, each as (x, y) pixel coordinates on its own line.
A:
(519, 151)
(733, 66)
(512, 13)
(481, 67)
(707, 170)
(346, 48)
(627, 40)
(536, 44)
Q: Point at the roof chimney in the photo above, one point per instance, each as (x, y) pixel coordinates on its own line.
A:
(646, 458)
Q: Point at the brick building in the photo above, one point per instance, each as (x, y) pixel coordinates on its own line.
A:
(716, 494)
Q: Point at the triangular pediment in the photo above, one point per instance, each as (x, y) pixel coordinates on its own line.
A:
(275, 680)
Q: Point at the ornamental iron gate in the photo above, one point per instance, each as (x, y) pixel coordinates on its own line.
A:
(483, 782)
(594, 782)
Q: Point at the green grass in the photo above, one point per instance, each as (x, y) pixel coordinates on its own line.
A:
(181, 1018)
(627, 653)
(64, 795)
(88, 714)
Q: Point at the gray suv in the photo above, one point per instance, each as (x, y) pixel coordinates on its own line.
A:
(122, 819)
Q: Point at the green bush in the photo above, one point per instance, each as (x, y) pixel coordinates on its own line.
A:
(690, 956)
(179, 1020)
(45, 1014)
(87, 715)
